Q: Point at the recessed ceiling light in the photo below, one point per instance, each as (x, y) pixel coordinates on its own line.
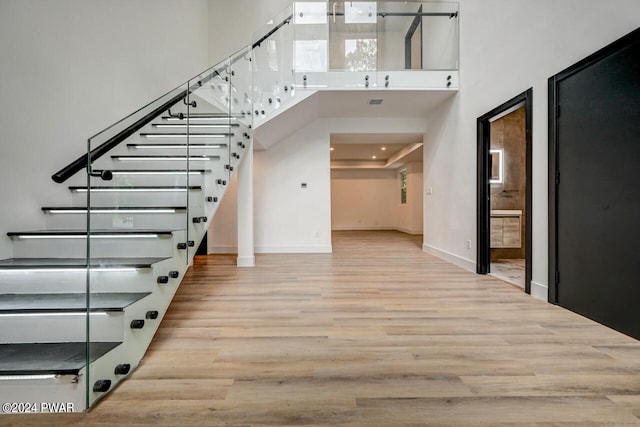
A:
(331, 149)
(375, 101)
(373, 157)
(383, 148)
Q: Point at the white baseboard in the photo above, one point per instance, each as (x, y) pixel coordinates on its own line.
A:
(539, 291)
(286, 249)
(408, 230)
(375, 228)
(362, 228)
(222, 249)
(246, 261)
(465, 263)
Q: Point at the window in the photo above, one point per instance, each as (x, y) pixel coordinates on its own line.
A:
(360, 54)
(311, 55)
(403, 187)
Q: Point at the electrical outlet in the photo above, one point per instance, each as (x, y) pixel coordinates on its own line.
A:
(468, 244)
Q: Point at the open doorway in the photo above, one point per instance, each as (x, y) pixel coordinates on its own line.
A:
(504, 192)
(376, 182)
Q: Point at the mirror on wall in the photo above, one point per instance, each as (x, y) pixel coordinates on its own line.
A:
(496, 166)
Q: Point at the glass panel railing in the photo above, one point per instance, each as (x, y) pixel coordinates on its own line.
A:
(417, 37)
(353, 43)
(311, 44)
(399, 33)
(273, 65)
(440, 36)
(211, 131)
(241, 119)
(136, 199)
(375, 44)
(241, 81)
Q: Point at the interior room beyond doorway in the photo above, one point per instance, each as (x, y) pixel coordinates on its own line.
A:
(377, 182)
(508, 196)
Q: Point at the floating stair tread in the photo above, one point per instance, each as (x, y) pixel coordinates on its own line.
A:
(181, 144)
(118, 231)
(139, 187)
(123, 209)
(204, 116)
(62, 263)
(49, 358)
(158, 171)
(159, 157)
(35, 303)
(194, 134)
(198, 124)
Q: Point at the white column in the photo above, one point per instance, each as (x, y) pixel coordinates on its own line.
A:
(246, 256)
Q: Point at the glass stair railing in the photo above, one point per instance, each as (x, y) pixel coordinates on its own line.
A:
(82, 299)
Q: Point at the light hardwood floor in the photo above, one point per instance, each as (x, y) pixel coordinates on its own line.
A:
(375, 334)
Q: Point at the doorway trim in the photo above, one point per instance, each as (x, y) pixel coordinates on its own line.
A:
(483, 238)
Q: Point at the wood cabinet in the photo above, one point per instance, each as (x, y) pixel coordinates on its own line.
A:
(506, 229)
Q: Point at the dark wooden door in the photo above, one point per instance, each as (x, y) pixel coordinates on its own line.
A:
(598, 190)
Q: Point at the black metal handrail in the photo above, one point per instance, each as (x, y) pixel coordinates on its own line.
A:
(83, 161)
(286, 21)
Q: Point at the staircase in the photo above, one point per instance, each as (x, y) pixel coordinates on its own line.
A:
(82, 299)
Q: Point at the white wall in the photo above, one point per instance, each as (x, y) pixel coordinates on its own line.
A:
(507, 46)
(364, 199)
(289, 218)
(409, 216)
(369, 199)
(70, 68)
(232, 23)
(222, 237)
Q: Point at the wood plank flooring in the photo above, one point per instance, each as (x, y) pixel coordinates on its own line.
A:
(375, 334)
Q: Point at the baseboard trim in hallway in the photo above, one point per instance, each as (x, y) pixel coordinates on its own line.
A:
(539, 291)
(376, 333)
(465, 263)
(293, 249)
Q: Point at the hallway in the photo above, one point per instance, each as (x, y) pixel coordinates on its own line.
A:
(377, 333)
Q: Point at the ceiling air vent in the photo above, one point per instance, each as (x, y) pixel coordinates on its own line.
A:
(376, 101)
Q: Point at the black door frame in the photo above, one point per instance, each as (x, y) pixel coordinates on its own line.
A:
(483, 238)
(554, 172)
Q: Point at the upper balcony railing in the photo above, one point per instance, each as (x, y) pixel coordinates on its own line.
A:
(353, 45)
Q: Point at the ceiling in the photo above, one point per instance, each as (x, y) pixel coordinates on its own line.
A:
(396, 103)
(374, 150)
(356, 147)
